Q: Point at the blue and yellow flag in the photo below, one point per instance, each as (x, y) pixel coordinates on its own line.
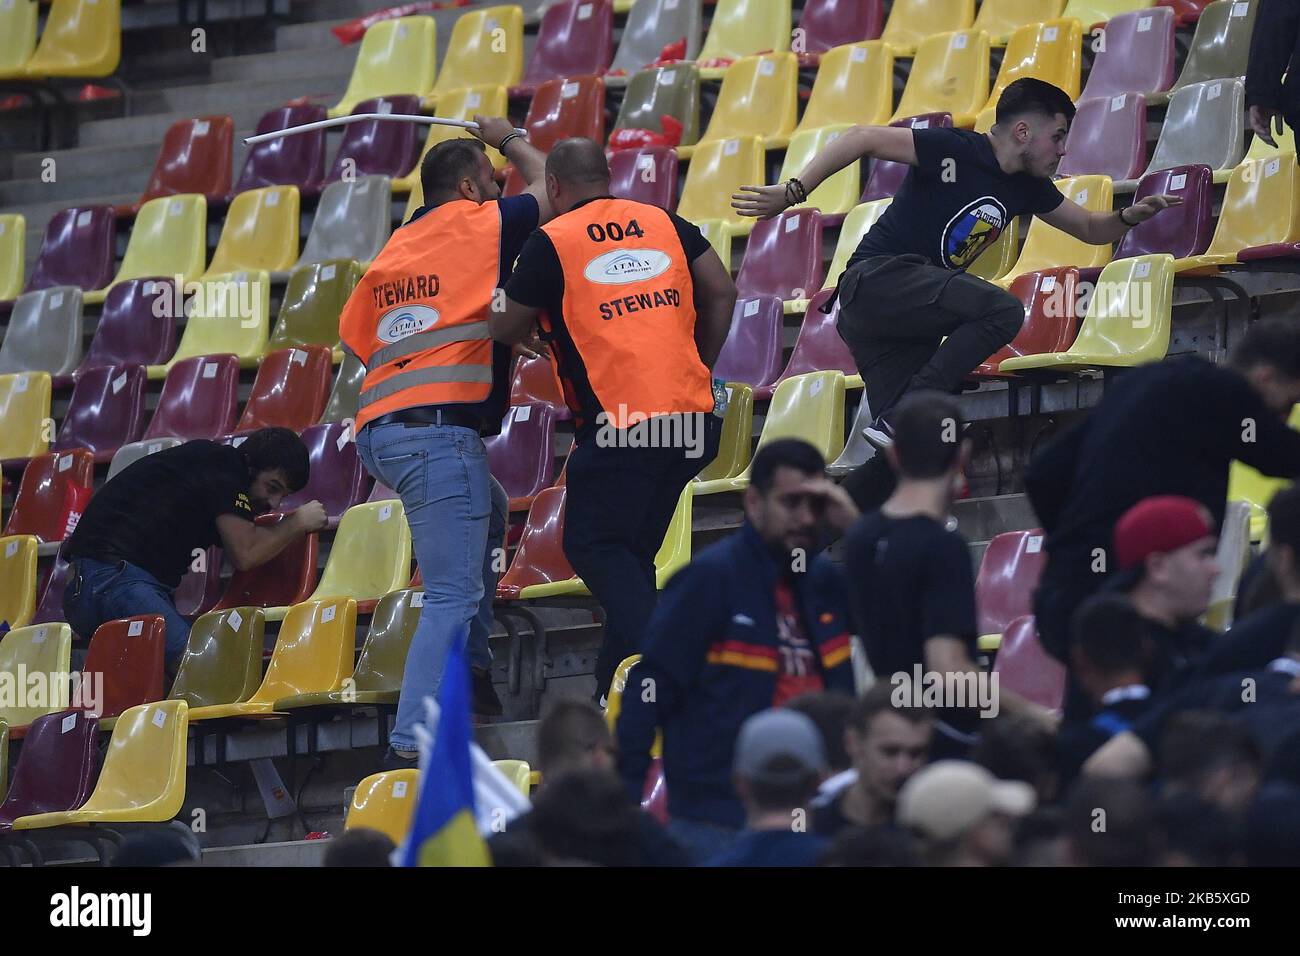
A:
(443, 831)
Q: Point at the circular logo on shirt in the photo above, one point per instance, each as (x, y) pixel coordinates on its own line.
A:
(971, 231)
(397, 324)
(627, 265)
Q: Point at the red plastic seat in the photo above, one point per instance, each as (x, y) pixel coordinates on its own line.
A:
(1107, 138)
(831, 23)
(783, 257)
(57, 767)
(886, 177)
(1050, 298)
(130, 331)
(522, 456)
(297, 160)
(1024, 668)
(1138, 56)
(194, 158)
(49, 608)
(200, 588)
(540, 558)
(290, 389)
(106, 411)
(536, 381)
(79, 249)
(377, 147)
(288, 578)
(646, 175)
(753, 350)
(126, 657)
(338, 479)
(1187, 11)
(654, 798)
(575, 38)
(1008, 577)
(198, 399)
(819, 347)
(38, 506)
(560, 110)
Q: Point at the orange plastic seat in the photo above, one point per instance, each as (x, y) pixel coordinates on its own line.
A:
(126, 658)
(194, 157)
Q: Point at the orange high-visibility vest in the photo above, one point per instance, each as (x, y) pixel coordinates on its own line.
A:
(629, 309)
(418, 318)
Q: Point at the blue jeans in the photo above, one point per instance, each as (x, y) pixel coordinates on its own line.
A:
(99, 592)
(457, 514)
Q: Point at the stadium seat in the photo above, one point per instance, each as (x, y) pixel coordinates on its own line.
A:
(1091, 13)
(194, 157)
(44, 333)
(912, 22)
(126, 658)
(1261, 150)
(260, 232)
(742, 28)
(384, 802)
(223, 659)
(1051, 325)
(487, 49)
(857, 450)
(460, 104)
(839, 192)
(1203, 125)
(81, 38)
(1261, 208)
(856, 225)
(43, 649)
(286, 579)
(995, 262)
(562, 109)
(614, 707)
(17, 36)
(1221, 44)
(17, 579)
(759, 97)
(1248, 485)
(752, 350)
(1137, 55)
(38, 507)
(297, 160)
(1127, 322)
(574, 38)
(49, 606)
(1047, 247)
(827, 24)
(200, 586)
(129, 454)
(1008, 576)
(783, 257)
(168, 238)
(1182, 231)
(1233, 557)
(198, 400)
(290, 389)
(1108, 137)
(653, 93)
(4, 761)
(855, 84)
(646, 175)
(56, 767)
(13, 254)
(522, 456)
(651, 26)
(717, 234)
(1001, 18)
(24, 408)
(338, 478)
(342, 402)
(536, 381)
(377, 147)
(353, 221)
(717, 171)
(518, 772)
(1025, 669)
(313, 654)
(130, 330)
(810, 407)
(143, 780)
(950, 74)
(1051, 51)
(737, 435)
(105, 412)
(886, 177)
(818, 348)
(229, 314)
(396, 56)
(79, 249)
(313, 299)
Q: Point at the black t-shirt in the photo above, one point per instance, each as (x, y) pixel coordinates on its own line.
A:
(1225, 693)
(1252, 642)
(954, 202)
(1080, 739)
(156, 512)
(1177, 652)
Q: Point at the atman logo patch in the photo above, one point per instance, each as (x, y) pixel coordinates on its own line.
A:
(397, 324)
(627, 265)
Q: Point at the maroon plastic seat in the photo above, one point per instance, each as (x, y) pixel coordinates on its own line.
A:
(338, 479)
(832, 23)
(1024, 668)
(130, 331)
(819, 347)
(1180, 231)
(38, 506)
(522, 456)
(1138, 56)
(290, 389)
(49, 609)
(201, 586)
(297, 160)
(752, 352)
(646, 175)
(126, 656)
(654, 796)
(288, 578)
(575, 38)
(560, 110)
(1107, 138)
(378, 147)
(198, 399)
(194, 158)
(887, 177)
(79, 249)
(57, 767)
(1008, 577)
(536, 380)
(106, 411)
(1050, 298)
(783, 257)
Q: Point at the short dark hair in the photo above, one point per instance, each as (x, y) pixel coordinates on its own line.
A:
(791, 785)
(360, 846)
(927, 434)
(882, 845)
(578, 161)
(1129, 837)
(447, 164)
(567, 730)
(1108, 631)
(587, 816)
(1015, 747)
(1274, 342)
(1284, 519)
(877, 700)
(268, 449)
(1196, 743)
(784, 453)
(829, 710)
(1029, 95)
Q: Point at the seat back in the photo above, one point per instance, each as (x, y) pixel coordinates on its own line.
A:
(168, 238)
(128, 455)
(79, 249)
(288, 578)
(646, 175)
(143, 779)
(1051, 51)
(81, 38)
(56, 768)
(1261, 206)
(13, 254)
(1108, 137)
(396, 56)
(378, 147)
(1136, 56)
(575, 38)
(1047, 247)
(1233, 557)
(857, 450)
(654, 24)
(826, 24)
(126, 659)
(371, 554)
(1024, 668)
(313, 652)
(461, 104)
(338, 478)
(228, 314)
(133, 328)
(839, 192)
(717, 170)
(737, 435)
(49, 609)
(539, 558)
(912, 22)
(106, 411)
(17, 34)
(1051, 322)
(887, 177)
(1090, 13)
(1285, 144)
(1182, 230)
(1247, 485)
(342, 402)
(194, 158)
(200, 586)
(353, 220)
(1203, 125)
(752, 351)
(45, 332)
(518, 772)
(562, 109)
(384, 802)
(487, 48)
(290, 389)
(198, 400)
(522, 456)
(1221, 45)
(741, 28)
(297, 160)
(819, 347)
(383, 655)
(653, 93)
(535, 381)
(759, 97)
(810, 407)
(24, 408)
(260, 232)
(856, 225)
(43, 649)
(950, 74)
(1008, 575)
(1001, 18)
(17, 579)
(1128, 319)
(855, 84)
(223, 659)
(38, 506)
(783, 257)
(313, 300)
(996, 261)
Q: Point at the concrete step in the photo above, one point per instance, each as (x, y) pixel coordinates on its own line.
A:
(73, 189)
(292, 853)
(326, 14)
(284, 64)
(150, 128)
(87, 161)
(219, 98)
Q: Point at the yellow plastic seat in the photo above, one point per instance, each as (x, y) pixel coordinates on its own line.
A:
(487, 49)
(460, 104)
(810, 407)
(396, 56)
(985, 120)
(1261, 206)
(1285, 144)
(856, 225)
(385, 802)
(18, 554)
(911, 22)
(81, 38)
(229, 313)
(17, 38)
(414, 201)
(260, 232)
(717, 172)
(309, 308)
(996, 261)
(25, 653)
(1047, 247)
(1256, 490)
(168, 238)
(742, 28)
(1089, 13)
(855, 85)
(759, 97)
(25, 412)
(1127, 324)
(838, 194)
(614, 703)
(13, 253)
(737, 435)
(143, 777)
(1233, 557)
(517, 772)
(313, 654)
(715, 231)
(1001, 18)
(1051, 51)
(949, 75)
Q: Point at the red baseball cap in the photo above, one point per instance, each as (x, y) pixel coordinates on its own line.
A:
(1159, 525)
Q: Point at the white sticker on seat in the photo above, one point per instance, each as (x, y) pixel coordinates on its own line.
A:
(239, 441)
(69, 722)
(119, 383)
(175, 207)
(417, 599)
(1178, 181)
(299, 356)
(327, 272)
(11, 549)
(670, 4)
(489, 25)
(20, 383)
(1141, 270)
(40, 635)
(153, 449)
(473, 100)
(1049, 283)
(327, 615)
(363, 185)
(1117, 102)
(6, 4)
(525, 412)
(858, 55)
(1082, 197)
(3, 226)
(345, 436)
(159, 717)
(766, 67)
(1049, 34)
(921, 124)
(1144, 24)
(135, 629)
(209, 369)
(273, 199)
(731, 147)
(401, 31)
(751, 308)
(569, 90)
(959, 41)
(385, 512)
(792, 224)
(667, 77)
(83, 218)
(399, 789)
(1272, 166)
(201, 128)
(66, 461)
(1240, 9)
(1034, 544)
(235, 620)
(56, 300)
(584, 11)
(148, 287)
(1213, 92)
(816, 386)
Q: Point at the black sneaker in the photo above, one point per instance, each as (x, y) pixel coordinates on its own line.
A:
(880, 433)
(486, 703)
(395, 761)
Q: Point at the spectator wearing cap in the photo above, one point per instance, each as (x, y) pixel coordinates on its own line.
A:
(752, 622)
(780, 760)
(963, 814)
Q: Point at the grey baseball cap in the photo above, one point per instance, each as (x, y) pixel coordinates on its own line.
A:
(776, 733)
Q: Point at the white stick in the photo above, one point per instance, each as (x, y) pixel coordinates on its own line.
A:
(360, 117)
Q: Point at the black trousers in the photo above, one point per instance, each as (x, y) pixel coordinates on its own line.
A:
(618, 506)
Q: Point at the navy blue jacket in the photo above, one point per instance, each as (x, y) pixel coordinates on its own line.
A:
(711, 660)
